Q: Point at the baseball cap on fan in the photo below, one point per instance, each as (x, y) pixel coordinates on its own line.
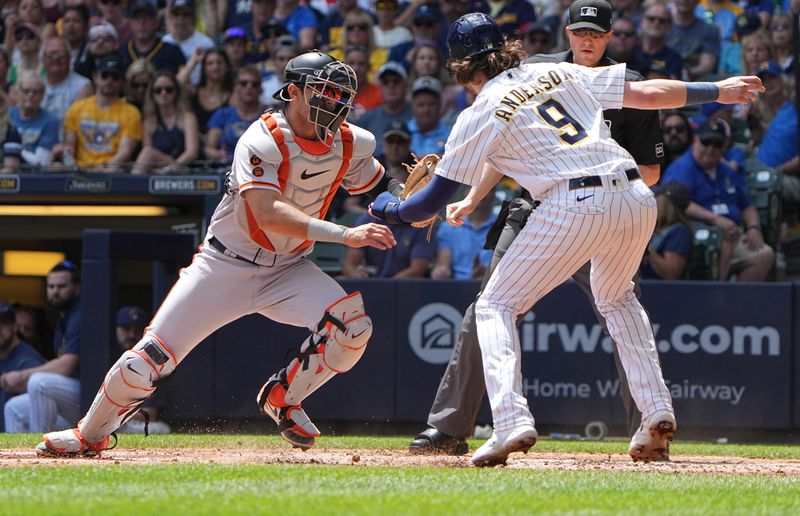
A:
(590, 14)
(428, 84)
(399, 129)
(715, 130)
(131, 316)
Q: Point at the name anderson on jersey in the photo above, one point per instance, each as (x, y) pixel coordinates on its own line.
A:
(525, 92)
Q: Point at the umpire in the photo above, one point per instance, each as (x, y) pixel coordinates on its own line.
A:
(452, 416)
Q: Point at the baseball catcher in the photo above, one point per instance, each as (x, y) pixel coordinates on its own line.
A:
(287, 166)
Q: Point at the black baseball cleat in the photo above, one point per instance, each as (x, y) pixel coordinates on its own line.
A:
(293, 422)
(434, 442)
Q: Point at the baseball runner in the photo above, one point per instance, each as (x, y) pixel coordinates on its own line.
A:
(542, 125)
(286, 169)
(455, 408)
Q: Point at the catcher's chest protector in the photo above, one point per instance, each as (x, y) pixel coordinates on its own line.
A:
(308, 179)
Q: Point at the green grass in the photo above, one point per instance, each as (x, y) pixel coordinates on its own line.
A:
(168, 489)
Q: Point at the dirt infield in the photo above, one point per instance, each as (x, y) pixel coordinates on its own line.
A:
(395, 458)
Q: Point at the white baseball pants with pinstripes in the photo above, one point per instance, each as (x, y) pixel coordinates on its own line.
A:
(610, 225)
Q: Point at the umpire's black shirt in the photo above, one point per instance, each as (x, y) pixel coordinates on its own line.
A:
(636, 130)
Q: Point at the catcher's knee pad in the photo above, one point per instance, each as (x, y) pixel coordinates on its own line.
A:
(129, 382)
(338, 344)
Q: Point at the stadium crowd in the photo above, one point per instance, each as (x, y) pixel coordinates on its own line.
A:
(168, 86)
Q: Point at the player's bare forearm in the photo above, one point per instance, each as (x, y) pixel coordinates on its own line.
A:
(489, 178)
(273, 214)
(650, 173)
(458, 210)
(669, 94)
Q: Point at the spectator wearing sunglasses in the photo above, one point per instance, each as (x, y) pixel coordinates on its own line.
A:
(137, 79)
(146, 44)
(170, 138)
(699, 43)
(653, 49)
(677, 135)
(27, 46)
(228, 123)
(29, 12)
(426, 26)
(102, 41)
(358, 32)
(624, 40)
(50, 393)
(103, 131)
(719, 197)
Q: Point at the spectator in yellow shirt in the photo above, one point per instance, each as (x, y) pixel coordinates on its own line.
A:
(102, 132)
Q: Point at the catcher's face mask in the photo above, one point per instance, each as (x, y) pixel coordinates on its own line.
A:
(330, 97)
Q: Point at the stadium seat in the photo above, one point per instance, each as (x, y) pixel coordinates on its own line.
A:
(704, 261)
(328, 256)
(764, 189)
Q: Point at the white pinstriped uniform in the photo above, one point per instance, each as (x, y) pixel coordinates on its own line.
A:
(542, 124)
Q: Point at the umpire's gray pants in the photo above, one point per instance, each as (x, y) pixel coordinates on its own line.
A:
(462, 387)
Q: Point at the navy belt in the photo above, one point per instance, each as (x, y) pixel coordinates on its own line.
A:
(219, 246)
(589, 181)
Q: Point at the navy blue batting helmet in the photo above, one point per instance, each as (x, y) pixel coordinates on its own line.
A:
(473, 35)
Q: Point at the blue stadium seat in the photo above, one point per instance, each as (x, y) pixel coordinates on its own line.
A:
(764, 188)
(704, 261)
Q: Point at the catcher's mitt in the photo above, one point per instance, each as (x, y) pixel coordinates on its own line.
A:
(419, 174)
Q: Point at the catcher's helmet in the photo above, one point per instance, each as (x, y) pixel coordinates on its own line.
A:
(316, 64)
(473, 35)
(332, 85)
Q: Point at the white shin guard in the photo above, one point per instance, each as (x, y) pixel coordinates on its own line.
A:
(129, 382)
(339, 343)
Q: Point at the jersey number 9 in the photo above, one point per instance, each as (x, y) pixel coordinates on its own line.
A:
(554, 114)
